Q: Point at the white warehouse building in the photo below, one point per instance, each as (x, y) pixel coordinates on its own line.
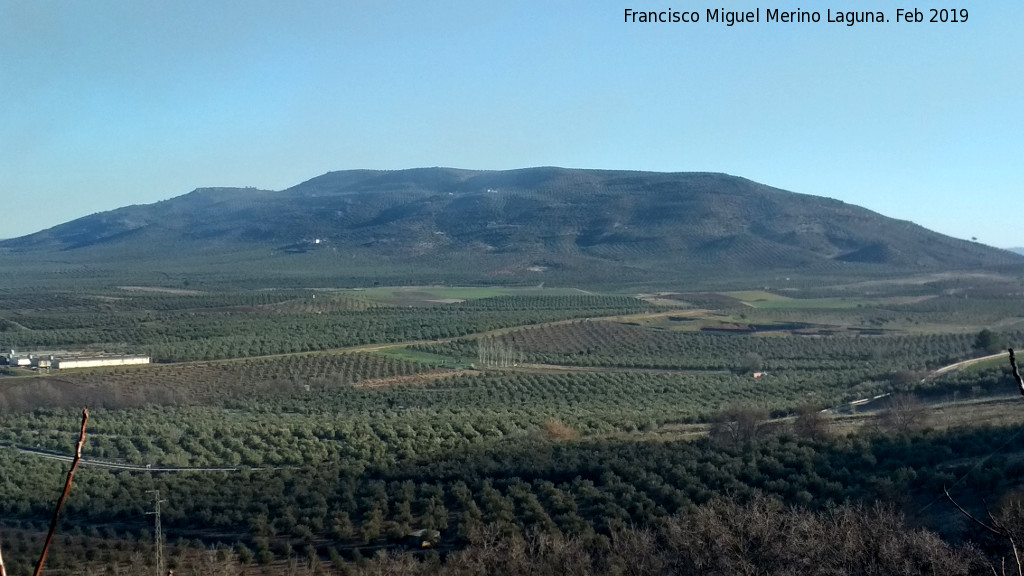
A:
(64, 363)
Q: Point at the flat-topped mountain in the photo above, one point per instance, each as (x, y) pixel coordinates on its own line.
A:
(525, 225)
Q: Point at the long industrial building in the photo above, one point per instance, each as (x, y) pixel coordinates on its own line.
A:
(64, 363)
(70, 360)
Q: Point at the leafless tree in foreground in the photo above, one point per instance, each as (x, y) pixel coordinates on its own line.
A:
(738, 425)
(811, 422)
(3, 571)
(1016, 374)
(64, 495)
(993, 526)
(996, 525)
(60, 502)
(905, 413)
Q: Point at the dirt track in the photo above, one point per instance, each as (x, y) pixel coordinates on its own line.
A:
(963, 364)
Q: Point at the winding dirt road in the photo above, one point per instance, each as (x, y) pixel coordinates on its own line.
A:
(963, 364)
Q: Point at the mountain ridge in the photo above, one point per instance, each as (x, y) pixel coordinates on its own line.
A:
(521, 224)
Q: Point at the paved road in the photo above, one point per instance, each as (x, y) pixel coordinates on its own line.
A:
(122, 466)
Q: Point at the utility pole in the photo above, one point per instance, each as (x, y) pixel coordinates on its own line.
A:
(158, 539)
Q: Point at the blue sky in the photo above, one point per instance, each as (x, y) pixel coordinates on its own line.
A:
(110, 103)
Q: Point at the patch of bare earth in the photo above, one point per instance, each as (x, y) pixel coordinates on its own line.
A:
(920, 279)
(164, 290)
(412, 379)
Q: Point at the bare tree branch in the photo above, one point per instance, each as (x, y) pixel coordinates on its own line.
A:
(996, 527)
(64, 495)
(1016, 374)
(3, 571)
(968, 514)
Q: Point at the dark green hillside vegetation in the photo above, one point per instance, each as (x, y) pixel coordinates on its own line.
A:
(717, 538)
(336, 500)
(526, 226)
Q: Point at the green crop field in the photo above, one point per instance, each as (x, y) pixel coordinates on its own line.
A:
(422, 295)
(761, 299)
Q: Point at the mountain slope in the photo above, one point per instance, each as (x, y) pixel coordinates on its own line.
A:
(520, 226)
